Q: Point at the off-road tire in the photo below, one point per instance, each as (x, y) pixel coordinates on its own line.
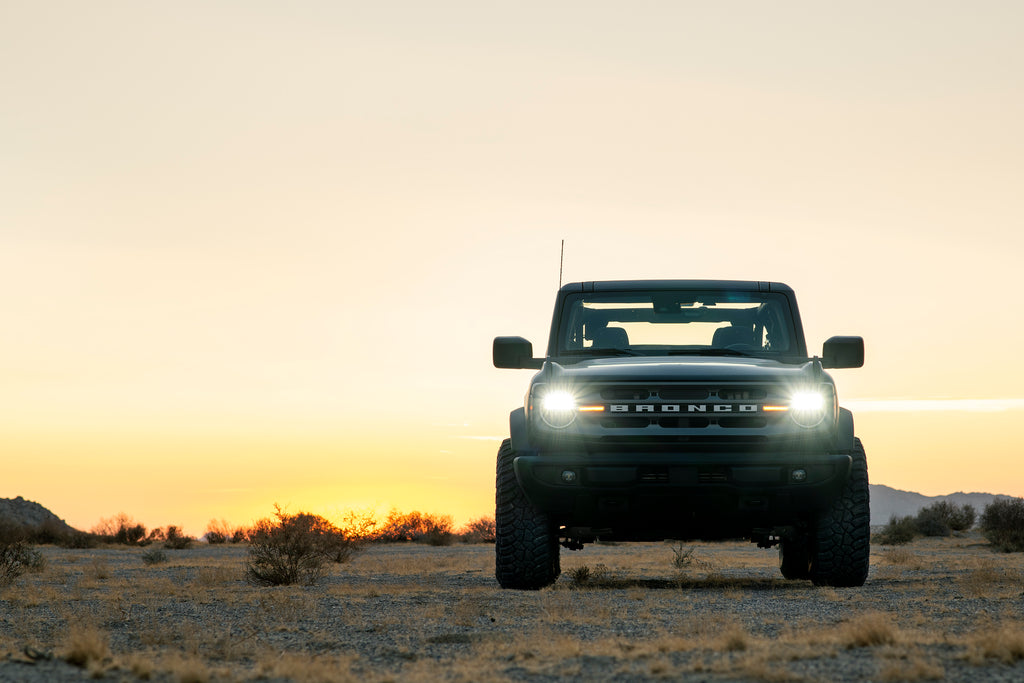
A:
(841, 539)
(795, 558)
(526, 542)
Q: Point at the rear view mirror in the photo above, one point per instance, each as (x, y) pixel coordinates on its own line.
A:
(514, 352)
(843, 352)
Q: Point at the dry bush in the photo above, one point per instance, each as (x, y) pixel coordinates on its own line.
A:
(898, 531)
(293, 549)
(597, 577)
(16, 558)
(121, 529)
(1002, 523)
(479, 530)
(415, 526)
(943, 518)
(219, 531)
(175, 539)
(154, 556)
(360, 525)
(685, 558)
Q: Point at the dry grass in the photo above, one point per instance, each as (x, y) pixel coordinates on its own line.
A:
(412, 612)
(868, 630)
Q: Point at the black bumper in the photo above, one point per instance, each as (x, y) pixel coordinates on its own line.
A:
(693, 495)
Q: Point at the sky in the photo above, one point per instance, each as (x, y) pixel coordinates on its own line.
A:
(255, 253)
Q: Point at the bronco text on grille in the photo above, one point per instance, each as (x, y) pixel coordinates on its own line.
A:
(682, 409)
(685, 408)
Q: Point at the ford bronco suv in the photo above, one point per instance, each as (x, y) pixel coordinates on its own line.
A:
(681, 409)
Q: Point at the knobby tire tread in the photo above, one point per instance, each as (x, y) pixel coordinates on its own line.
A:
(526, 542)
(842, 537)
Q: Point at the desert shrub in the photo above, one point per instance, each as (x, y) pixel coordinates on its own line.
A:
(682, 556)
(360, 525)
(55, 532)
(154, 556)
(898, 531)
(943, 518)
(215, 538)
(930, 521)
(1002, 523)
(438, 531)
(479, 530)
(583, 575)
(219, 531)
(121, 529)
(16, 558)
(293, 549)
(962, 517)
(176, 539)
(415, 526)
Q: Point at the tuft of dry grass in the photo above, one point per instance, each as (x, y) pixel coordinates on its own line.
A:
(734, 638)
(86, 646)
(1004, 644)
(901, 556)
(868, 630)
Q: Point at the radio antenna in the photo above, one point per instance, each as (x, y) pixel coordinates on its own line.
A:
(561, 260)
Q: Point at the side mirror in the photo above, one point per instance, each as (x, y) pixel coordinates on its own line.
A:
(514, 352)
(843, 352)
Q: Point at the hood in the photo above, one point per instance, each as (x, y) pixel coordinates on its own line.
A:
(681, 369)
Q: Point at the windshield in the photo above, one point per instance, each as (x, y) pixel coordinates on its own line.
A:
(676, 322)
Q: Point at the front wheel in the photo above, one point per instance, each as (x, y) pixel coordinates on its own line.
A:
(841, 538)
(526, 542)
(795, 558)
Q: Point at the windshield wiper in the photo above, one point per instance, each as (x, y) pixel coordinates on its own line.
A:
(709, 352)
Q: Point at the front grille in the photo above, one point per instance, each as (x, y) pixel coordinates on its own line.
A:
(713, 413)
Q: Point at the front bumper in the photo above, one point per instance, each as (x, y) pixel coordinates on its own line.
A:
(694, 494)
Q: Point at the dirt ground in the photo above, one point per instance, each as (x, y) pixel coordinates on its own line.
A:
(936, 609)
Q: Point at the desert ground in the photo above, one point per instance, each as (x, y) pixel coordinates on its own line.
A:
(936, 609)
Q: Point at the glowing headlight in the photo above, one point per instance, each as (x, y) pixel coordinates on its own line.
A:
(558, 408)
(808, 407)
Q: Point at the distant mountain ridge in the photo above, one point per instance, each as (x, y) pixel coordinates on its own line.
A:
(887, 502)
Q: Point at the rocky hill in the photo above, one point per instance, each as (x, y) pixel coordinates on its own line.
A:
(21, 512)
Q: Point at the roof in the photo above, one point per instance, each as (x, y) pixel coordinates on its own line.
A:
(635, 285)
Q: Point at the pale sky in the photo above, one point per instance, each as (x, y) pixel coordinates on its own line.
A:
(256, 252)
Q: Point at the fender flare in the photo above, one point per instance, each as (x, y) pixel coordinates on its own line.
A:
(844, 432)
(517, 430)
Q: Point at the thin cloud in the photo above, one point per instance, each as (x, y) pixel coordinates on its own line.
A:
(932, 405)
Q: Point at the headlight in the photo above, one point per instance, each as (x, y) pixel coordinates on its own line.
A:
(809, 407)
(558, 408)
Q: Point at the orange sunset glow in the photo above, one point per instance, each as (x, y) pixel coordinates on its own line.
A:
(256, 253)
